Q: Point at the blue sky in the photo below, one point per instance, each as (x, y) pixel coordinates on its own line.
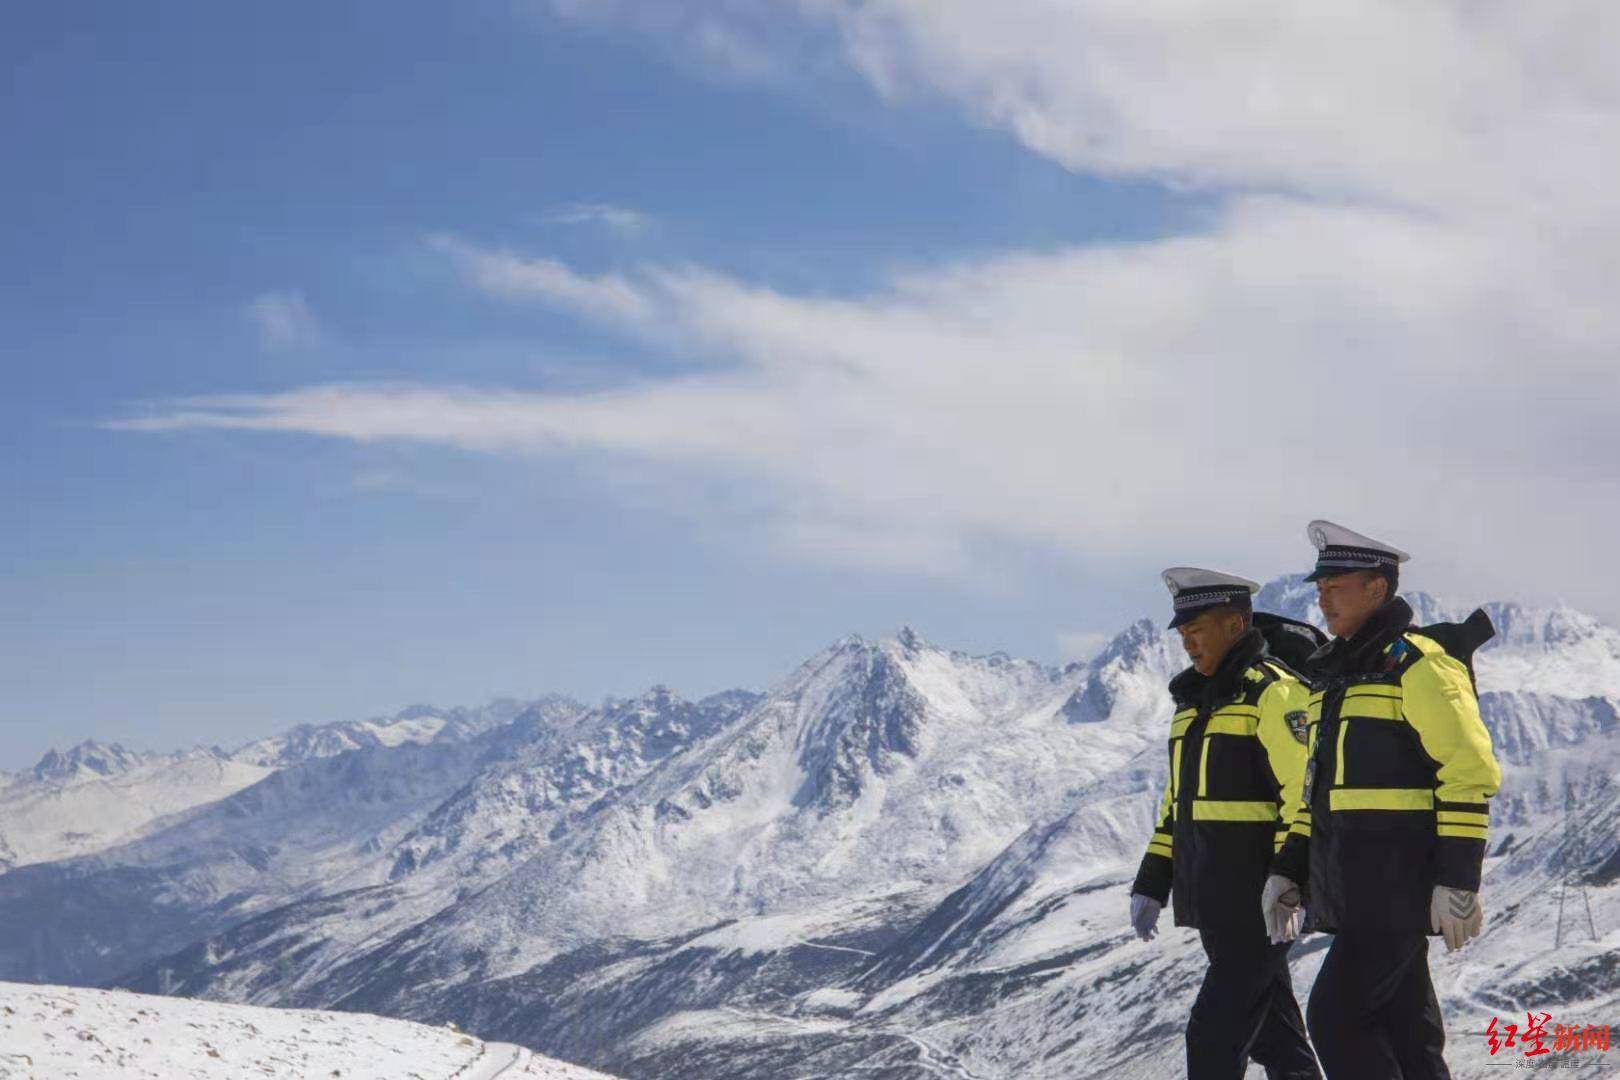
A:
(169, 167)
(734, 328)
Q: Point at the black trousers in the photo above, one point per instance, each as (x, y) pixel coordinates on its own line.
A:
(1373, 1013)
(1246, 1009)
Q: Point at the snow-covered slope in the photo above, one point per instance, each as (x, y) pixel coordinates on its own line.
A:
(1555, 651)
(61, 1032)
(530, 795)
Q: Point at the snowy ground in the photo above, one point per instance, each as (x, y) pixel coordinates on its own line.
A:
(66, 1033)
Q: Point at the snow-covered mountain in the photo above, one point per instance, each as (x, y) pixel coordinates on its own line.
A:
(901, 859)
(402, 826)
(94, 795)
(875, 765)
(64, 1032)
(420, 724)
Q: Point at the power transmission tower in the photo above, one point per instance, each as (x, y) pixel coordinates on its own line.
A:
(1568, 872)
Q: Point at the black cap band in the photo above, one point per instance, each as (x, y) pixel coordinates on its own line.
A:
(1190, 603)
(1344, 560)
(1214, 594)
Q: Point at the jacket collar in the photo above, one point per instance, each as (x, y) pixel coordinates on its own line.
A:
(1355, 654)
(1191, 688)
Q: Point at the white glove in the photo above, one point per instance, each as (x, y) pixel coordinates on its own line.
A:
(1279, 906)
(1144, 915)
(1456, 914)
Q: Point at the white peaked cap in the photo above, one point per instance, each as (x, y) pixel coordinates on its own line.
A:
(1340, 550)
(1179, 578)
(1192, 590)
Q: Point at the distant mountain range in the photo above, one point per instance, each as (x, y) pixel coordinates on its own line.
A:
(902, 860)
(95, 794)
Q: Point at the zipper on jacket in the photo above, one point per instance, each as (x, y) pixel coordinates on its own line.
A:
(1333, 699)
(1200, 723)
(1203, 767)
(1175, 777)
(1338, 765)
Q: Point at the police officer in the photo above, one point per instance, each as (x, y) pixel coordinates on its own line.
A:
(1392, 832)
(1237, 759)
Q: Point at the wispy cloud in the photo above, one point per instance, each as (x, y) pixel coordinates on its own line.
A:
(619, 219)
(1096, 400)
(507, 274)
(284, 321)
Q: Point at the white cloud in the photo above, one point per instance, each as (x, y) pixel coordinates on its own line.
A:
(507, 274)
(1446, 105)
(285, 321)
(1403, 317)
(1104, 399)
(619, 219)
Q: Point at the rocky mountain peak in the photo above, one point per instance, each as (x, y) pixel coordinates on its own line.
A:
(88, 758)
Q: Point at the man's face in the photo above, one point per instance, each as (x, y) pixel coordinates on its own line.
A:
(1208, 637)
(1347, 600)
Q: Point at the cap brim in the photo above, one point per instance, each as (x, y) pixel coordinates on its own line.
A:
(1190, 614)
(1336, 571)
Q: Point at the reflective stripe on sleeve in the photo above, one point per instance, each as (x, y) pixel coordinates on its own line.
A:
(1459, 817)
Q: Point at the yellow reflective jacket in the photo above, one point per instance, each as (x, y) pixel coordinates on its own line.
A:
(1237, 762)
(1399, 777)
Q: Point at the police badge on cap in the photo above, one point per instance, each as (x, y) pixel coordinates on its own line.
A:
(1340, 550)
(1194, 591)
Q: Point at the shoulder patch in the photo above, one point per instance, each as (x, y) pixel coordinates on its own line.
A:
(1396, 653)
(1296, 719)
